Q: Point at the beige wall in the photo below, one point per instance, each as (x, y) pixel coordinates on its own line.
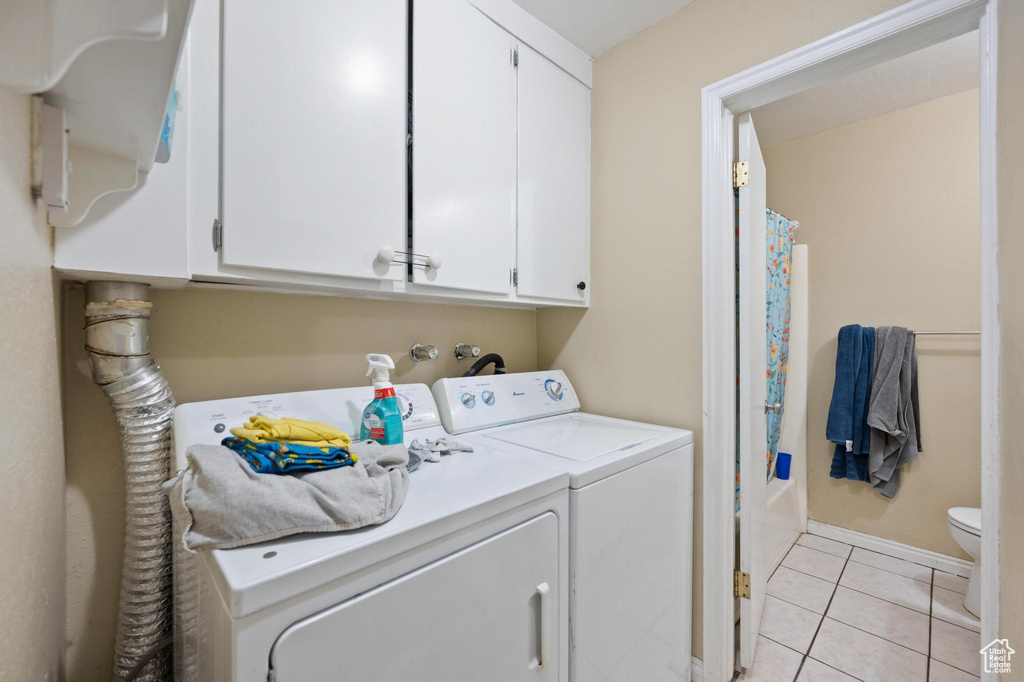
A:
(889, 209)
(32, 448)
(218, 344)
(1010, 179)
(646, 210)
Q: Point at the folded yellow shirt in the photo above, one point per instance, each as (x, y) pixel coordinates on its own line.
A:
(260, 429)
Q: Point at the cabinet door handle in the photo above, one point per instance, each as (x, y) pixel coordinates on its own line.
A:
(543, 593)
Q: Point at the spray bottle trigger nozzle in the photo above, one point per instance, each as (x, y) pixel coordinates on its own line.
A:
(381, 364)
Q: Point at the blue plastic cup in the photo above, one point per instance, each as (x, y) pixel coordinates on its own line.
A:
(782, 465)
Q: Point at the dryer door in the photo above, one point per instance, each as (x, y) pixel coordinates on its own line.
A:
(474, 615)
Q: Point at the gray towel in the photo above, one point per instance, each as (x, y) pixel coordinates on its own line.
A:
(227, 504)
(893, 411)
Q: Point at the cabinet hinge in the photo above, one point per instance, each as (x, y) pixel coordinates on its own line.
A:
(741, 584)
(739, 174)
(515, 59)
(218, 234)
(515, 277)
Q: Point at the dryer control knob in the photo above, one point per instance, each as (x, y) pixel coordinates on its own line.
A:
(488, 397)
(468, 399)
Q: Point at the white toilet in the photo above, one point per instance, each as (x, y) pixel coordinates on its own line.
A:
(965, 527)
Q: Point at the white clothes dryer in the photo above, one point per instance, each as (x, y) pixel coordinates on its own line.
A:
(467, 582)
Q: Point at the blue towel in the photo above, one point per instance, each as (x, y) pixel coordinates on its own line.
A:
(851, 395)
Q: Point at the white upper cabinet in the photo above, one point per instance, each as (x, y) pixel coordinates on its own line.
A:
(464, 147)
(554, 182)
(313, 135)
(293, 133)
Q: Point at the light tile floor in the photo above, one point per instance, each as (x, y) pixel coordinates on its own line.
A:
(834, 612)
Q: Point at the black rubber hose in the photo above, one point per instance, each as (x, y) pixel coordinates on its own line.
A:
(499, 365)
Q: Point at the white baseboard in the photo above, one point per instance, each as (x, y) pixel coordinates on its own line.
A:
(924, 557)
(696, 669)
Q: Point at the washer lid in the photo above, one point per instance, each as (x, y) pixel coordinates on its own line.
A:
(577, 437)
(968, 518)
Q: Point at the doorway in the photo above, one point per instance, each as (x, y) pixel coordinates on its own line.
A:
(909, 28)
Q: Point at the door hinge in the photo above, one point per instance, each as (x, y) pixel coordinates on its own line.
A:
(741, 584)
(515, 277)
(739, 174)
(218, 234)
(515, 59)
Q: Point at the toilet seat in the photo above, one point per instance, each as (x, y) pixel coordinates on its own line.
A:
(967, 519)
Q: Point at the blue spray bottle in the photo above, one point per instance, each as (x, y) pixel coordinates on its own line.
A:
(382, 418)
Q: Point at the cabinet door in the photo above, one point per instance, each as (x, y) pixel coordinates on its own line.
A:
(314, 105)
(554, 181)
(463, 149)
(488, 612)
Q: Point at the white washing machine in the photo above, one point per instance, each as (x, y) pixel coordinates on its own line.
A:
(466, 583)
(630, 516)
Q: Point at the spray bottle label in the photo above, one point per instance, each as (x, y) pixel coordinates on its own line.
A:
(373, 425)
(380, 393)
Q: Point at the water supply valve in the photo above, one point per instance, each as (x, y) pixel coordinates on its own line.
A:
(419, 352)
(464, 351)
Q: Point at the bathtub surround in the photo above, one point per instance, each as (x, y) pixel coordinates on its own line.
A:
(32, 556)
(867, 194)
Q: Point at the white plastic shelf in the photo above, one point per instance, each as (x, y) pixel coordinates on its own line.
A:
(110, 65)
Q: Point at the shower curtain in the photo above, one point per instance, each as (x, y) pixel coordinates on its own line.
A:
(779, 250)
(779, 234)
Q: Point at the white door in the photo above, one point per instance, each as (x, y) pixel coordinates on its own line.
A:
(753, 389)
(489, 612)
(554, 181)
(463, 150)
(314, 106)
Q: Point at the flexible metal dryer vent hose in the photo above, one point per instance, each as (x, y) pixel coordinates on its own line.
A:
(117, 339)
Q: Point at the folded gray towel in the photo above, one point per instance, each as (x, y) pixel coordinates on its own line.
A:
(227, 504)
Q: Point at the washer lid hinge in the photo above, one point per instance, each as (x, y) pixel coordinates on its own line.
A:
(218, 234)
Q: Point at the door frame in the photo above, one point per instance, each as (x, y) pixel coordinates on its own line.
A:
(904, 29)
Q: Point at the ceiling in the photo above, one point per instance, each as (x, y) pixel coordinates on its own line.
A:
(937, 71)
(597, 25)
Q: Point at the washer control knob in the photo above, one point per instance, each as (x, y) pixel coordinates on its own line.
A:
(553, 388)
(488, 397)
(468, 399)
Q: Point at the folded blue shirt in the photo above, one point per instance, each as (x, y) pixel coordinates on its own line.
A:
(284, 458)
